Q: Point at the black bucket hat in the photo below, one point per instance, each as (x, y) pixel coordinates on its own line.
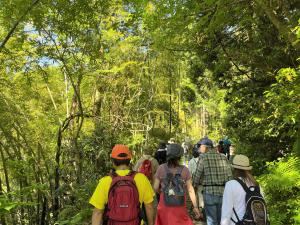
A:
(174, 151)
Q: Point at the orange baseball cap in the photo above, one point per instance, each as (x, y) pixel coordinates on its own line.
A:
(120, 151)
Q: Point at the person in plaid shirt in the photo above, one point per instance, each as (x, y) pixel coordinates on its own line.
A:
(213, 171)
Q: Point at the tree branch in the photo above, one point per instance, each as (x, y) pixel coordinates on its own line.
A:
(12, 30)
(244, 72)
(283, 30)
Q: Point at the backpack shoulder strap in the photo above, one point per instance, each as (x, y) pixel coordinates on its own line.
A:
(132, 173)
(116, 178)
(129, 179)
(246, 189)
(168, 171)
(130, 176)
(179, 170)
(169, 174)
(238, 220)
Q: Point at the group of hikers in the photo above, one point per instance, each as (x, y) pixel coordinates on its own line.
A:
(215, 187)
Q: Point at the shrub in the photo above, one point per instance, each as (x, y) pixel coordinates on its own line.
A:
(281, 187)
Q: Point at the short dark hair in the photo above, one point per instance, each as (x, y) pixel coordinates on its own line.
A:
(119, 162)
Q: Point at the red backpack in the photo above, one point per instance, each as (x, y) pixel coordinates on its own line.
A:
(123, 206)
(146, 169)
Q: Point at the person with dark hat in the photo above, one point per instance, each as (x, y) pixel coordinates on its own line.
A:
(175, 181)
(161, 153)
(213, 171)
(127, 198)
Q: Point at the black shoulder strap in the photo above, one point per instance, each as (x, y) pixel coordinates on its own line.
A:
(169, 174)
(179, 171)
(246, 189)
(238, 220)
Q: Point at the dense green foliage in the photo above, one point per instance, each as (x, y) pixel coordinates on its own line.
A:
(281, 187)
(79, 76)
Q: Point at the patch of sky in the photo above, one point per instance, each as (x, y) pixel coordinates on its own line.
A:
(168, 15)
(229, 29)
(30, 29)
(129, 7)
(144, 49)
(45, 61)
(39, 37)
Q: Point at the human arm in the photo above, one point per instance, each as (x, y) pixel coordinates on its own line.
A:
(150, 213)
(147, 199)
(99, 200)
(154, 165)
(227, 205)
(97, 217)
(156, 185)
(192, 195)
(157, 178)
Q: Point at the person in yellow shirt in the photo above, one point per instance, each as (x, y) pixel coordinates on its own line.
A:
(121, 157)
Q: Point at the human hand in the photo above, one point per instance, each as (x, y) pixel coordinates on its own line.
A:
(198, 214)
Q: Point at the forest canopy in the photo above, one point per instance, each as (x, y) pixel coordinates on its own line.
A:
(79, 76)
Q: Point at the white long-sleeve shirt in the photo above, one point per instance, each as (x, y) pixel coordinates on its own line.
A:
(233, 197)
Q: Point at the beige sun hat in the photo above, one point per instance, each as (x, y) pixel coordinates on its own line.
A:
(241, 162)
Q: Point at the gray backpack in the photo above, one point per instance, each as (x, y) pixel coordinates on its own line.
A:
(174, 189)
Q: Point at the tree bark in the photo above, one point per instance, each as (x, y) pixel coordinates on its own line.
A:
(2, 219)
(4, 169)
(44, 212)
(57, 175)
(170, 103)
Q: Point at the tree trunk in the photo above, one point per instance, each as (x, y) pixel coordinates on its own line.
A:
(170, 104)
(2, 218)
(44, 212)
(57, 175)
(5, 169)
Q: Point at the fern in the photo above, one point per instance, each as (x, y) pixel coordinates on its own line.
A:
(281, 187)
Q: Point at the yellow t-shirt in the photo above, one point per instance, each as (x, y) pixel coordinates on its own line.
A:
(100, 196)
